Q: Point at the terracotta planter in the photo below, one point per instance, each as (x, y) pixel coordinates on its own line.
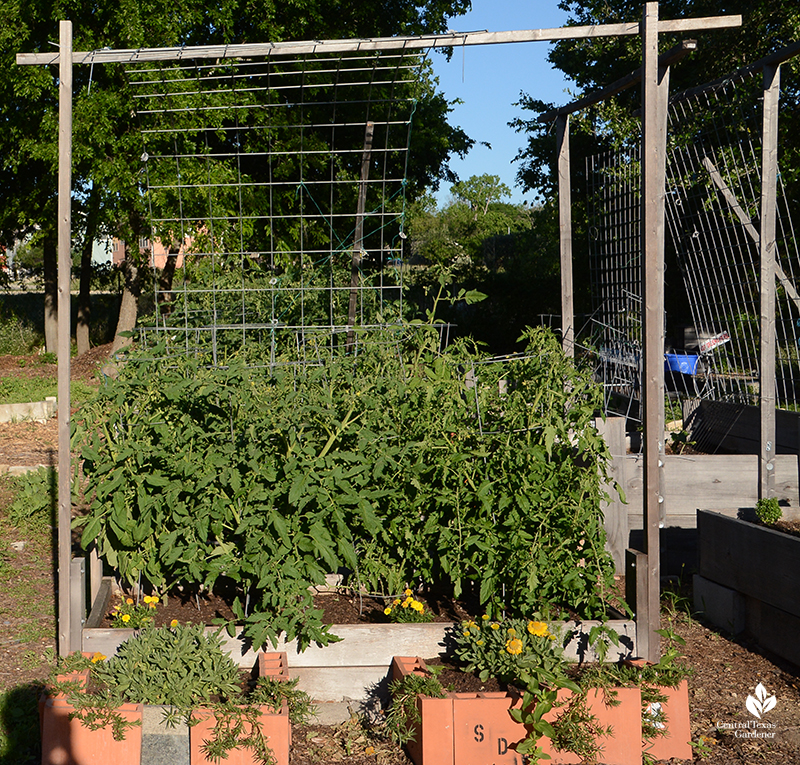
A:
(675, 743)
(275, 726)
(676, 735)
(624, 716)
(476, 728)
(69, 742)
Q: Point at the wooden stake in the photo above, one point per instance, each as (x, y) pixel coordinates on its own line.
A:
(358, 238)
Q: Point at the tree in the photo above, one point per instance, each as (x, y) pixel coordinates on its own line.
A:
(464, 230)
(768, 25)
(592, 64)
(106, 137)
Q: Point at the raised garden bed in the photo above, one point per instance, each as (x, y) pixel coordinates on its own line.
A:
(356, 668)
(747, 579)
(476, 728)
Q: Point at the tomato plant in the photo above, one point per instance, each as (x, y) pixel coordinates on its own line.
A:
(404, 463)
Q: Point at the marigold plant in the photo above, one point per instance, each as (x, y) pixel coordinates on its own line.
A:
(128, 613)
(408, 610)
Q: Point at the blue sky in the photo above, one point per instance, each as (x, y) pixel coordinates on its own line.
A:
(489, 78)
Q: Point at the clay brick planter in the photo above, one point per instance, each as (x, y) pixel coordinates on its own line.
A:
(675, 743)
(676, 730)
(476, 728)
(275, 726)
(67, 741)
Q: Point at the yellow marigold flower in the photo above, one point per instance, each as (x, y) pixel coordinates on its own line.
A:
(480, 642)
(97, 656)
(404, 604)
(407, 592)
(538, 628)
(485, 617)
(129, 601)
(147, 599)
(154, 599)
(472, 625)
(416, 605)
(126, 617)
(387, 610)
(466, 633)
(495, 626)
(397, 601)
(173, 623)
(514, 646)
(511, 632)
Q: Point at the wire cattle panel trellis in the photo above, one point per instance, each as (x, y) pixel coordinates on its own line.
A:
(713, 195)
(614, 182)
(275, 188)
(713, 211)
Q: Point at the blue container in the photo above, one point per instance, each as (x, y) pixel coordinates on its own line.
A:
(685, 363)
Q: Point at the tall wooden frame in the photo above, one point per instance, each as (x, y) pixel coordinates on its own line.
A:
(66, 58)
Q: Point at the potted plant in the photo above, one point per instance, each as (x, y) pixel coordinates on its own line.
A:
(545, 713)
(184, 669)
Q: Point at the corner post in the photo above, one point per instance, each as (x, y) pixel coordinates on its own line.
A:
(63, 345)
(655, 85)
(767, 253)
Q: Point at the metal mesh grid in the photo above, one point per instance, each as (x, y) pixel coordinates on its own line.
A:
(614, 182)
(713, 196)
(275, 189)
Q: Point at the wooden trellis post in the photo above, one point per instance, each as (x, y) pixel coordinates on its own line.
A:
(767, 252)
(63, 345)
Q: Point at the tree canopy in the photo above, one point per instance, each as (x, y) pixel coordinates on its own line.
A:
(768, 26)
(106, 140)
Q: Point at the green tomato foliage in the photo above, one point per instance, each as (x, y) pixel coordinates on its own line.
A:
(403, 463)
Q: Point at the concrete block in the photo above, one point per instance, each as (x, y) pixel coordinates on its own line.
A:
(161, 744)
(722, 606)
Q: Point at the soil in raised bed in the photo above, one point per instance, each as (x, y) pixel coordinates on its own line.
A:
(193, 606)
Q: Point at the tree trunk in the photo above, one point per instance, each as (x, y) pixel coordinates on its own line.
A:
(130, 303)
(85, 294)
(50, 263)
(165, 281)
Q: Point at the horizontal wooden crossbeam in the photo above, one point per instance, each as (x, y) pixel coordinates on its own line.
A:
(449, 40)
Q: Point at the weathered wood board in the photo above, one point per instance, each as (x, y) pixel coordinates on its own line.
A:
(707, 482)
(756, 561)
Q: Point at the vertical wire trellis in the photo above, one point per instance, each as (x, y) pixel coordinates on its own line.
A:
(613, 183)
(252, 171)
(713, 193)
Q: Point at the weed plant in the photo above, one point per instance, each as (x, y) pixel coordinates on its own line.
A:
(768, 511)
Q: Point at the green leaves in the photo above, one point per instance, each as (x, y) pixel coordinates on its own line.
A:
(408, 464)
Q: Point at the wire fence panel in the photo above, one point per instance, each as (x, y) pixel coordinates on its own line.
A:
(713, 206)
(276, 193)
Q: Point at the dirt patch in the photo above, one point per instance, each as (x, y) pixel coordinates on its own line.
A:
(191, 605)
(28, 444)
